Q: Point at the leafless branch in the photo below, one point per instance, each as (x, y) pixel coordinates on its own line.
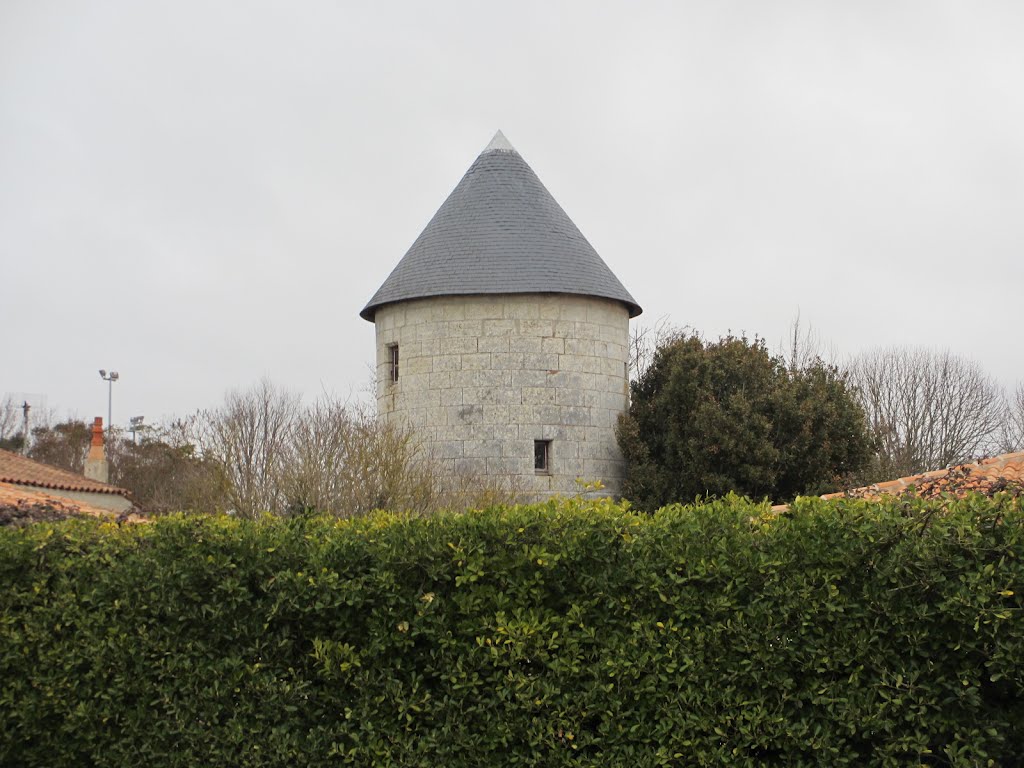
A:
(1011, 436)
(804, 347)
(250, 435)
(644, 340)
(927, 410)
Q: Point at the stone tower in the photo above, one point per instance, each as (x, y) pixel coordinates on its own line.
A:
(502, 337)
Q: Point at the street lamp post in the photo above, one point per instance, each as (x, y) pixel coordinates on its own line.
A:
(110, 379)
(136, 426)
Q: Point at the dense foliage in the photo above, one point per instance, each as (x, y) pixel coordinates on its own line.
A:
(709, 418)
(165, 475)
(567, 634)
(63, 445)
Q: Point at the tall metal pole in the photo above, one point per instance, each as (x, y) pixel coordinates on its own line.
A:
(25, 408)
(110, 379)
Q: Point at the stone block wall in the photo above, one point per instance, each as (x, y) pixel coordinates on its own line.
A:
(482, 377)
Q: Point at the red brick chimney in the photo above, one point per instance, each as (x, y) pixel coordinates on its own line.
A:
(96, 466)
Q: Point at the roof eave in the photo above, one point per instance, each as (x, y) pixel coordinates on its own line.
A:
(369, 312)
(111, 490)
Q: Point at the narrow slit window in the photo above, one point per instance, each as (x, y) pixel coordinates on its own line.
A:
(542, 456)
(393, 361)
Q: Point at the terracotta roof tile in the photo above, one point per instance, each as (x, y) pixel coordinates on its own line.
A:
(23, 471)
(21, 506)
(986, 476)
(997, 474)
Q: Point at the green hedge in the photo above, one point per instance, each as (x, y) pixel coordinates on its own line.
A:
(574, 633)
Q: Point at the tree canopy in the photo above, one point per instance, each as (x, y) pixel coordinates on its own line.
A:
(707, 418)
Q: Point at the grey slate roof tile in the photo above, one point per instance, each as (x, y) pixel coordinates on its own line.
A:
(500, 231)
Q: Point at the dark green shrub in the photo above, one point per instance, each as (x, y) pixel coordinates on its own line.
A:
(566, 634)
(709, 418)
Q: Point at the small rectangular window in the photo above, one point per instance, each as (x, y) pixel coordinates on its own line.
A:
(542, 456)
(393, 361)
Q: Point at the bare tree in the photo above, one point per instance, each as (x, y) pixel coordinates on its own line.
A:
(803, 347)
(645, 340)
(927, 409)
(250, 436)
(343, 460)
(333, 456)
(346, 461)
(1011, 436)
(14, 410)
(10, 421)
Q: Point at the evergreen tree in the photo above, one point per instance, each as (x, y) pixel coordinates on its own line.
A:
(707, 418)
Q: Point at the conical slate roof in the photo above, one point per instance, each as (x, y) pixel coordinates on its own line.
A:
(500, 231)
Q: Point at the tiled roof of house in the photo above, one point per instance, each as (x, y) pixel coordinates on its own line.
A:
(24, 471)
(21, 506)
(500, 231)
(986, 476)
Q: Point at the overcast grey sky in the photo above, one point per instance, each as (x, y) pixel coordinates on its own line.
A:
(200, 193)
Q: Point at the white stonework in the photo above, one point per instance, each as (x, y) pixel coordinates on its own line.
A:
(482, 377)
